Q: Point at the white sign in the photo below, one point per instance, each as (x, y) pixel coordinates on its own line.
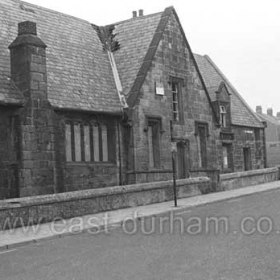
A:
(159, 90)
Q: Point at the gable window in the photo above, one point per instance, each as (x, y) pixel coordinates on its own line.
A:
(88, 142)
(154, 142)
(223, 114)
(177, 105)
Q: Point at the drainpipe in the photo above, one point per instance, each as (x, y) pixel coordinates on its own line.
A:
(120, 156)
(123, 105)
(264, 145)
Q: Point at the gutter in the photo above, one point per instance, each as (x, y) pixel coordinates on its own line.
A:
(88, 111)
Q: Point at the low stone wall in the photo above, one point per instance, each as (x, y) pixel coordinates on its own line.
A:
(46, 208)
(237, 180)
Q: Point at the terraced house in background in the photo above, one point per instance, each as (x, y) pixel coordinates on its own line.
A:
(272, 135)
(84, 106)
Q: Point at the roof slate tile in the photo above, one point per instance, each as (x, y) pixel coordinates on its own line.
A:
(242, 114)
(134, 36)
(77, 66)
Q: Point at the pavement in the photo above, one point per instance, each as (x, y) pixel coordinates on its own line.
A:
(10, 239)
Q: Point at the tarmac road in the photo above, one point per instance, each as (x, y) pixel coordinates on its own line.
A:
(243, 244)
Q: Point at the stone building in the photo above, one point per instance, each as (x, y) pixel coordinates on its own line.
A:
(83, 106)
(272, 135)
(242, 133)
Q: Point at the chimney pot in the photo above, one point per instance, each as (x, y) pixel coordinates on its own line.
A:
(141, 13)
(270, 112)
(134, 14)
(27, 27)
(259, 109)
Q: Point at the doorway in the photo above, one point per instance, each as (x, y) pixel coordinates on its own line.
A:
(247, 159)
(182, 156)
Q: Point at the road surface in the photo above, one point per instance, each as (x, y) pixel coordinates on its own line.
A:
(230, 240)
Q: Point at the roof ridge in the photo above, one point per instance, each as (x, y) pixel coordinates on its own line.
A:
(136, 18)
(216, 68)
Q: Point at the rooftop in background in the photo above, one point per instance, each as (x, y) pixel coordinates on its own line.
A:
(268, 117)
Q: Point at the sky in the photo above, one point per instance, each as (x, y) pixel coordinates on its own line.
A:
(241, 36)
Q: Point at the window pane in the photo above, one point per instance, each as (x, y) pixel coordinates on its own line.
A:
(150, 145)
(156, 147)
(176, 106)
(87, 142)
(77, 136)
(68, 142)
(104, 143)
(225, 157)
(95, 132)
(202, 145)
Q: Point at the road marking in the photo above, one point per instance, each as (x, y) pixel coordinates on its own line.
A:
(5, 252)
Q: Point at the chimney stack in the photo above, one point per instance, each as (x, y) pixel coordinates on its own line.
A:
(141, 13)
(29, 73)
(27, 27)
(278, 115)
(134, 14)
(259, 109)
(270, 112)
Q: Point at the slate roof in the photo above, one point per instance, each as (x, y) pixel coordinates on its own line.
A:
(134, 36)
(79, 72)
(242, 114)
(270, 119)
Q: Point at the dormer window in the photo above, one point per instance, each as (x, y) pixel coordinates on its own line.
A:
(223, 119)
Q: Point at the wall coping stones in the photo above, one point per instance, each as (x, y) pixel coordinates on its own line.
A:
(249, 173)
(92, 193)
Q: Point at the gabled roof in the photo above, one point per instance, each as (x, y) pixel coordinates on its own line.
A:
(134, 36)
(79, 72)
(242, 114)
(139, 38)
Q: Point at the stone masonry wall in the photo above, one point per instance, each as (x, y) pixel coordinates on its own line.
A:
(9, 142)
(37, 168)
(245, 139)
(72, 176)
(173, 59)
(48, 208)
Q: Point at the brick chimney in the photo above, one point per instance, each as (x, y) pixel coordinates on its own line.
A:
(270, 112)
(134, 14)
(259, 109)
(29, 73)
(141, 12)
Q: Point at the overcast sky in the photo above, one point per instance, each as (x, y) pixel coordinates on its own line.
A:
(241, 36)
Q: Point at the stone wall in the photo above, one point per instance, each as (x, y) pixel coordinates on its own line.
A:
(46, 208)
(246, 137)
(172, 60)
(73, 176)
(248, 178)
(9, 145)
